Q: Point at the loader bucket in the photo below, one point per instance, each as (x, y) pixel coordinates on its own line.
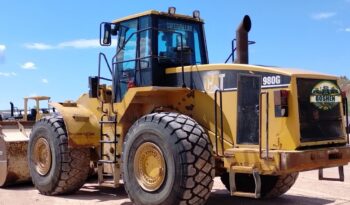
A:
(13, 157)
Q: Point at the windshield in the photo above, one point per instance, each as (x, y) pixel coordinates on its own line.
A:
(172, 33)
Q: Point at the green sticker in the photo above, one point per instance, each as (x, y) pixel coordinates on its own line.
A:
(325, 95)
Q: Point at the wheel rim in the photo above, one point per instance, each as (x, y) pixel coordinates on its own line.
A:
(149, 165)
(42, 156)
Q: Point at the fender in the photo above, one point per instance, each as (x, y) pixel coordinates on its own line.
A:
(81, 121)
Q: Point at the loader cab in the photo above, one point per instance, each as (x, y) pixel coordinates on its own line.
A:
(148, 43)
(38, 111)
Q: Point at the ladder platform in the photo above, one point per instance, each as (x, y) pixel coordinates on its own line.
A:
(340, 173)
(108, 183)
(108, 121)
(108, 141)
(107, 161)
(233, 188)
(107, 175)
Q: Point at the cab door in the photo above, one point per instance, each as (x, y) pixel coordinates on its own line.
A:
(126, 55)
(248, 94)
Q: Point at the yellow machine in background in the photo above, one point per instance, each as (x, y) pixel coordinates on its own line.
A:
(14, 137)
(169, 121)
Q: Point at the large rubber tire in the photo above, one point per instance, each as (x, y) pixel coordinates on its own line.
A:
(271, 186)
(188, 159)
(69, 166)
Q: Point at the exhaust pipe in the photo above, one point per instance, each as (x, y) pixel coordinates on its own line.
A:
(242, 40)
(12, 109)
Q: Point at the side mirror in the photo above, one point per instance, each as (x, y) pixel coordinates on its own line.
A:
(106, 29)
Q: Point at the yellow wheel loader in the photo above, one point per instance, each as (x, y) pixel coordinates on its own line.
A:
(168, 122)
(14, 137)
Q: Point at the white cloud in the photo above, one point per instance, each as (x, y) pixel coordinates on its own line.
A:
(2, 53)
(2, 48)
(323, 15)
(8, 74)
(347, 29)
(38, 46)
(28, 66)
(79, 43)
(44, 80)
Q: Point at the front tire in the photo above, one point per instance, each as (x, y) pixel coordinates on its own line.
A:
(167, 159)
(54, 167)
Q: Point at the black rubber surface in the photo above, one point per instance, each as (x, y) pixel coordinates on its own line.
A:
(70, 166)
(188, 155)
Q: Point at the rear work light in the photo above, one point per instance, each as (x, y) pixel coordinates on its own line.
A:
(281, 103)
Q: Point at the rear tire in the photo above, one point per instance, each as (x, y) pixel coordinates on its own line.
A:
(68, 168)
(188, 160)
(271, 186)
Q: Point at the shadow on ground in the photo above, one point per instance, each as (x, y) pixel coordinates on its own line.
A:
(222, 197)
(91, 191)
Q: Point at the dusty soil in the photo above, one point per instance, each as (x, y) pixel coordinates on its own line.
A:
(307, 191)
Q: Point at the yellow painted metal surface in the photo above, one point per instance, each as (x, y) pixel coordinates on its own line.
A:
(154, 12)
(149, 166)
(283, 71)
(81, 121)
(286, 161)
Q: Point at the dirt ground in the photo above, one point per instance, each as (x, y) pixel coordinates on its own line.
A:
(307, 191)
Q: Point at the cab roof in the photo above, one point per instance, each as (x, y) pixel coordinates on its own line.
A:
(38, 98)
(249, 67)
(159, 13)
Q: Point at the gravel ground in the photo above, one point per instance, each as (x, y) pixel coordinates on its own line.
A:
(307, 191)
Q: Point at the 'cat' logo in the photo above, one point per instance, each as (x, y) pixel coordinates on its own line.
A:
(213, 80)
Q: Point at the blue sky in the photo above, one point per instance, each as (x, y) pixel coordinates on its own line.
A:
(50, 48)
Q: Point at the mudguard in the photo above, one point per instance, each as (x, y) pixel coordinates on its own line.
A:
(81, 121)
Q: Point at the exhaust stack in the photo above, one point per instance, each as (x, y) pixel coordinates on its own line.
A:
(242, 40)
(12, 109)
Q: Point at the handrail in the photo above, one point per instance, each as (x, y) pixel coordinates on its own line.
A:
(346, 112)
(221, 122)
(266, 125)
(216, 123)
(233, 49)
(106, 61)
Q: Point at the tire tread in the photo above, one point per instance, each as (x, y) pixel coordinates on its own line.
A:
(74, 161)
(197, 152)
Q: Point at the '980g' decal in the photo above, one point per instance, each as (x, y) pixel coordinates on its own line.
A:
(271, 80)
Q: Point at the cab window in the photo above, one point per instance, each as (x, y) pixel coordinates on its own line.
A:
(179, 42)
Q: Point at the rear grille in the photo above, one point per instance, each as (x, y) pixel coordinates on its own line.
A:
(316, 124)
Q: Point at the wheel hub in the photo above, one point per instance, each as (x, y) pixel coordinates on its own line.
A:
(42, 156)
(149, 166)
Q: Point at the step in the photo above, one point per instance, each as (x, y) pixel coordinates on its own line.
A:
(107, 135)
(340, 173)
(108, 121)
(233, 188)
(109, 141)
(108, 179)
(107, 161)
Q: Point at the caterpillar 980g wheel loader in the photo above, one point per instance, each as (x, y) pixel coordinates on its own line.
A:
(168, 122)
